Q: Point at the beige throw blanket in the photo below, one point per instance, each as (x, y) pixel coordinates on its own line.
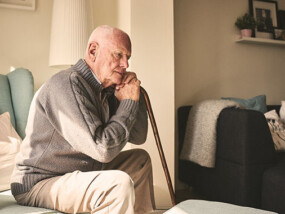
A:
(199, 144)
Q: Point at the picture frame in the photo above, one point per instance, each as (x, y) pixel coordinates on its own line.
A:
(19, 4)
(281, 19)
(265, 14)
(279, 34)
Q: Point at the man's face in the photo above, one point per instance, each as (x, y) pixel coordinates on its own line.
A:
(112, 60)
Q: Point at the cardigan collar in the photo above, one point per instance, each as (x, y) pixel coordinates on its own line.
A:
(88, 75)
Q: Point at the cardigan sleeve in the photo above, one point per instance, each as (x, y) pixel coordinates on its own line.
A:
(139, 131)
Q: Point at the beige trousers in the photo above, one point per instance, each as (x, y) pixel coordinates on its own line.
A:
(126, 190)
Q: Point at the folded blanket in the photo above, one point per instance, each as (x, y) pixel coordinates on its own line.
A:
(199, 144)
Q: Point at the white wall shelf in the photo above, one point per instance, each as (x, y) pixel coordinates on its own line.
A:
(251, 40)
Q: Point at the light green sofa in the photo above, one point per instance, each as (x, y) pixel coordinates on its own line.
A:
(16, 93)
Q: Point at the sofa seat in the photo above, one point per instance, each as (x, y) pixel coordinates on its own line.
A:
(8, 205)
(273, 189)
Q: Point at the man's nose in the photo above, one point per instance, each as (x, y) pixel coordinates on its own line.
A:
(124, 62)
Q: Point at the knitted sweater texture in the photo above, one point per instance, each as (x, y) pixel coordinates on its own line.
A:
(75, 124)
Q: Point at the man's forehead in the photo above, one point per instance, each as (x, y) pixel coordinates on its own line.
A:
(121, 45)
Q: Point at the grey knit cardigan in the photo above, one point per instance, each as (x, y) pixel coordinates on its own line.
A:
(75, 124)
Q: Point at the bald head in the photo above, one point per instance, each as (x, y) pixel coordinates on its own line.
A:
(107, 54)
(106, 34)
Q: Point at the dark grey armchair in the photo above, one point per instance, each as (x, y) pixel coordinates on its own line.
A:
(246, 161)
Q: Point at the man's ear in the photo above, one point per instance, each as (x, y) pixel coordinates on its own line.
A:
(92, 50)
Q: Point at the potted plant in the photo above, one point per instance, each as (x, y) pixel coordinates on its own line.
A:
(246, 24)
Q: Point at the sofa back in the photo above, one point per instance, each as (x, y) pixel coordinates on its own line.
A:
(16, 94)
(183, 112)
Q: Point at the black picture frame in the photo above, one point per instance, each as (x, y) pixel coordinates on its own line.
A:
(281, 19)
(265, 13)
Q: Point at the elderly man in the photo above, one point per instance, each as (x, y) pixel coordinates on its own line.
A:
(79, 122)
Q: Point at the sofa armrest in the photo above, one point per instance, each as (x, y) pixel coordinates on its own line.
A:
(243, 137)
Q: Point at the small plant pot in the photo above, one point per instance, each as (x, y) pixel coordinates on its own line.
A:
(246, 32)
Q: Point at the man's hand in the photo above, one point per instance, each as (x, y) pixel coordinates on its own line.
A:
(127, 78)
(129, 87)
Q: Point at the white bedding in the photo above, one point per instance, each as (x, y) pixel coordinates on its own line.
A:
(211, 207)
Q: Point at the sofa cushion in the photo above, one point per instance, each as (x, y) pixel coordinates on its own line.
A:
(22, 90)
(5, 98)
(257, 103)
(9, 147)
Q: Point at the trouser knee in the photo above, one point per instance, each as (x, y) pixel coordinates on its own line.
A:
(143, 158)
(142, 154)
(115, 180)
(119, 189)
(123, 181)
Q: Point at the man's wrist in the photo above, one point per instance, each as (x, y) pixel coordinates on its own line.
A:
(128, 105)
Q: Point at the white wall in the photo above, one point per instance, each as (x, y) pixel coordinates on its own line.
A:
(25, 39)
(152, 33)
(210, 65)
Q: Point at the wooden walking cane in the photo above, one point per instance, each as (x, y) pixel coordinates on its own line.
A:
(158, 143)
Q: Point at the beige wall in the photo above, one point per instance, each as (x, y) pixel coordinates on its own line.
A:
(208, 62)
(152, 34)
(24, 42)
